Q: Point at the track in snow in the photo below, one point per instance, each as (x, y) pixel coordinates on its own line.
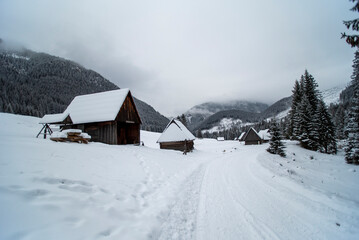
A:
(231, 196)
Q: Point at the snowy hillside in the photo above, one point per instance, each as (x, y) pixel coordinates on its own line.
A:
(222, 190)
(332, 95)
(200, 112)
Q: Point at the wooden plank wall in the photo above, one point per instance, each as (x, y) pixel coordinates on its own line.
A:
(105, 132)
(180, 146)
(128, 112)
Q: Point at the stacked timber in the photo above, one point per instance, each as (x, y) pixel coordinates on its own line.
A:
(70, 135)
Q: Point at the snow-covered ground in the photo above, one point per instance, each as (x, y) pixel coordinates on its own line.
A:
(222, 190)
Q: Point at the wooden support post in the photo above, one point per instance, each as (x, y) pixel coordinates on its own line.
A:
(47, 130)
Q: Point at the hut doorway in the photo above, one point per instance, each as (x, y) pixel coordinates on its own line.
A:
(128, 133)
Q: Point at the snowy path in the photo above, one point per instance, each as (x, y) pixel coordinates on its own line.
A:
(232, 196)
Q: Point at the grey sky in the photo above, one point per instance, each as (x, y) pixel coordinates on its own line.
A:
(176, 54)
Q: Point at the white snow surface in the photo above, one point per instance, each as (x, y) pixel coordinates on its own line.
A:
(53, 118)
(241, 136)
(96, 107)
(264, 134)
(332, 95)
(222, 190)
(225, 124)
(17, 56)
(175, 131)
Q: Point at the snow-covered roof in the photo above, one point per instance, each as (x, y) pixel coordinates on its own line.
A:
(53, 118)
(241, 136)
(175, 132)
(97, 107)
(264, 134)
(220, 138)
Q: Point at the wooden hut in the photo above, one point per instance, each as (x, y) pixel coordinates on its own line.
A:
(177, 137)
(109, 117)
(252, 137)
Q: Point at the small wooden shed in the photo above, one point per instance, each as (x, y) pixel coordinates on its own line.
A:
(177, 137)
(252, 137)
(109, 117)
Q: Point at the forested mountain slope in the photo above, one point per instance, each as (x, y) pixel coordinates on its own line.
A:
(37, 83)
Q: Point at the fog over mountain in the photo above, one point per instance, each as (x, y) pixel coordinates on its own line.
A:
(177, 54)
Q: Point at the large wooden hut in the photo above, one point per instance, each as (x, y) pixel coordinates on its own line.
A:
(110, 117)
(177, 137)
(252, 137)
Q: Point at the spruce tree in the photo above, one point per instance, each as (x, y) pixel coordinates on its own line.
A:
(276, 145)
(182, 119)
(353, 40)
(296, 98)
(352, 127)
(339, 117)
(326, 130)
(305, 117)
(199, 133)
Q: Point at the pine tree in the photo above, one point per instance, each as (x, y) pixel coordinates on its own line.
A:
(296, 98)
(352, 128)
(353, 40)
(305, 117)
(199, 134)
(339, 117)
(326, 130)
(276, 145)
(310, 90)
(182, 119)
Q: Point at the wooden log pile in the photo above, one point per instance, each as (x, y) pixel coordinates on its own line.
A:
(71, 135)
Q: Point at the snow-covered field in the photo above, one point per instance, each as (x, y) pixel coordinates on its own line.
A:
(222, 190)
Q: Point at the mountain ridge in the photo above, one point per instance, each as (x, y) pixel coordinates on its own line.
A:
(223, 120)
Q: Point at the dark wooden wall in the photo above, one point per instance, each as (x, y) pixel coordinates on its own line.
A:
(128, 133)
(104, 132)
(128, 111)
(252, 138)
(181, 146)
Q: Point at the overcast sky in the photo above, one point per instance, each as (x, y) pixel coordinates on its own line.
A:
(176, 54)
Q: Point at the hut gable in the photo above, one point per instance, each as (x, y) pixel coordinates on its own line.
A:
(128, 111)
(252, 137)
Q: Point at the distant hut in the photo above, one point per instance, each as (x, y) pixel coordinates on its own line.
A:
(220, 138)
(241, 137)
(252, 137)
(264, 135)
(177, 137)
(109, 117)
